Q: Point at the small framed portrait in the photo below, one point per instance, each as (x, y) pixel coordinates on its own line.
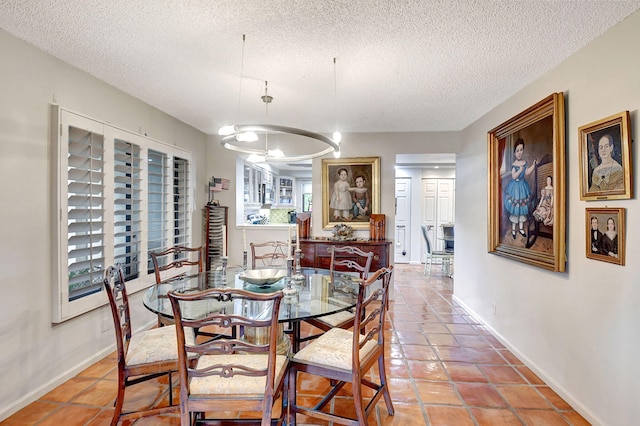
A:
(527, 186)
(605, 235)
(350, 191)
(605, 159)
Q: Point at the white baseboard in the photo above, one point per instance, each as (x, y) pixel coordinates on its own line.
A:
(564, 394)
(24, 400)
(35, 394)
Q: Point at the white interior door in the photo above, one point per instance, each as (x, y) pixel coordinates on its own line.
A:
(429, 211)
(438, 201)
(445, 207)
(402, 240)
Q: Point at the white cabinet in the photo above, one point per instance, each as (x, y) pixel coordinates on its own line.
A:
(285, 192)
(259, 185)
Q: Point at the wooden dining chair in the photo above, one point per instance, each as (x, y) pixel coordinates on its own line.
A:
(350, 259)
(231, 374)
(346, 357)
(344, 259)
(174, 258)
(269, 254)
(142, 356)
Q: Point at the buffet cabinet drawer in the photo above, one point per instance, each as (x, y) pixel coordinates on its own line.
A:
(317, 253)
(307, 255)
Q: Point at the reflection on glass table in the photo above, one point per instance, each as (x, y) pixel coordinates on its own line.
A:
(313, 296)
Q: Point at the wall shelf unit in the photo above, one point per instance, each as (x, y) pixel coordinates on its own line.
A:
(214, 221)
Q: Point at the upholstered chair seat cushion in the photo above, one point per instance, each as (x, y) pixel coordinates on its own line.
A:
(238, 384)
(337, 319)
(157, 344)
(333, 348)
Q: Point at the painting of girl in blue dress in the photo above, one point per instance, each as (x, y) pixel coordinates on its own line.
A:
(517, 194)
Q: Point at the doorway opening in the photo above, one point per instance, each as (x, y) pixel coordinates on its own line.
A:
(425, 195)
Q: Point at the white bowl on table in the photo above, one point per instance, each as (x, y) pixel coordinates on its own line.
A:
(262, 277)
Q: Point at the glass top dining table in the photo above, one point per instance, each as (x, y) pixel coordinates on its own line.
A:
(317, 294)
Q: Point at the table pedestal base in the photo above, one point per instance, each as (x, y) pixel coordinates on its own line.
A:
(260, 336)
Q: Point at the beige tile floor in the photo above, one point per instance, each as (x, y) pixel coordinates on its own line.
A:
(444, 367)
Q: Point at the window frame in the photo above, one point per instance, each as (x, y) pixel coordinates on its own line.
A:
(62, 119)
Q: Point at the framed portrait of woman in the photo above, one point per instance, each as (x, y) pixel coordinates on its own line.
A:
(350, 191)
(527, 186)
(605, 159)
(605, 231)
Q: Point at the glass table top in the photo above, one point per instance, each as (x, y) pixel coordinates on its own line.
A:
(315, 293)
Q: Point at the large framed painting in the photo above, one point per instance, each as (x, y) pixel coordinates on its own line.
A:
(605, 234)
(350, 191)
(526, 170)
(605, 159)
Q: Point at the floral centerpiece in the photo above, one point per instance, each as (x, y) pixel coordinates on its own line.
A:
(342, 232)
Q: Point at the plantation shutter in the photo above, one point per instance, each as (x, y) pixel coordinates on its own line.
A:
(158, 208)
(85, 212)
(181, 212)
(118, 195)
(127, 206)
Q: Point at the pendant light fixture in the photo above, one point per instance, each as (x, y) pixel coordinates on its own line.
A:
(232, 135)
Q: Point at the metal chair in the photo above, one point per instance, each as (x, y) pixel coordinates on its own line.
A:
(231, 374)
(346, 357)
(448, 237)
(143, 356)
(446, 258)
(269, 254)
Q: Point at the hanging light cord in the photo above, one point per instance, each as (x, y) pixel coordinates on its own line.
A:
(335, 94)
(241, 77)
(267, 100)
(337, 137)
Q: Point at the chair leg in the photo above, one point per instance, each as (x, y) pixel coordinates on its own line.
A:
(383, 382)
(291, 399)
(267, 405)
(447, 266)
(358, 404)
(185, 416)
(119, 402)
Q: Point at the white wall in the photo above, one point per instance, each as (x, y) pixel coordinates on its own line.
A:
(36, 355)
(579, 329)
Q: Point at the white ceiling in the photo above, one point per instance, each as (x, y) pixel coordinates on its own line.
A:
(412, 65)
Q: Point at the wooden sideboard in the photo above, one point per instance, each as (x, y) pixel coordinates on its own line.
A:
(316, 253)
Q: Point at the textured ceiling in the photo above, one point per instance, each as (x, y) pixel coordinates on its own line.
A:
(412, 65)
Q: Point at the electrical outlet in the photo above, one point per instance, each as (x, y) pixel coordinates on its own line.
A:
(493, 305)
(106, 324)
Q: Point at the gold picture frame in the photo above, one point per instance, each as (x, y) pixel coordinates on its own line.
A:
(526, 168)
(605, 159)
(338, 203)
(605, 231)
